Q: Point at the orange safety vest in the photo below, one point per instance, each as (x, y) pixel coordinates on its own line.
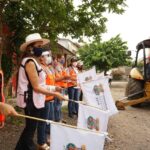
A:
(62, 83)
(65, 82)
(74, 75)
(50, 80)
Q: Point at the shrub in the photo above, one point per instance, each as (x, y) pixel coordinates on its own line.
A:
(117, 74)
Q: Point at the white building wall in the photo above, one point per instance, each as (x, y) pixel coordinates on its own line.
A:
(68, 45)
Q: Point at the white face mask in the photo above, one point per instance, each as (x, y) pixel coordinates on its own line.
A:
(47, 57)
(48, 60)
(74, 64)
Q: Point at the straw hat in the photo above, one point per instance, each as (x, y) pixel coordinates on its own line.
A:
(31, 38)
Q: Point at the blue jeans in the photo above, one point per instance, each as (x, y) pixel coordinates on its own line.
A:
(57, 109)
(50, 116)
(73, 94)
(41, 130)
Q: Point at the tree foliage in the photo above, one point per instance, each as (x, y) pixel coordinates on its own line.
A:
(53, 17)
(105, 55)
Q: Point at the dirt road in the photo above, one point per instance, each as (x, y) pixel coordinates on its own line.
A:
(129, 129)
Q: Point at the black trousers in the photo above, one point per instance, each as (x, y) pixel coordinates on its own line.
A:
(26, 139)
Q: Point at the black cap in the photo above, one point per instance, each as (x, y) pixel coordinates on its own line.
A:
(74, 59)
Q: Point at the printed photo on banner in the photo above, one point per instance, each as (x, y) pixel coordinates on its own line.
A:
(97, 93)
(92, 118)
(72, 146)
(75, 139)
(87, 75)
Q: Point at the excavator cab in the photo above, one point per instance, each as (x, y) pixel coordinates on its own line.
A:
(138, 86)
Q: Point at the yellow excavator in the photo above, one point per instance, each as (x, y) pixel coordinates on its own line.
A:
(138, 86)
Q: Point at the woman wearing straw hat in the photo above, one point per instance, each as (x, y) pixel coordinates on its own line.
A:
(31, 88)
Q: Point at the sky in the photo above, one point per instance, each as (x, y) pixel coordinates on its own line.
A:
(133, 26)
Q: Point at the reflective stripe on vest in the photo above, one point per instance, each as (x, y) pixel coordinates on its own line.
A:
(50, 80)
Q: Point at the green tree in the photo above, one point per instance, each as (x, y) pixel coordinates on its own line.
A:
(105, 55)
(51, 18)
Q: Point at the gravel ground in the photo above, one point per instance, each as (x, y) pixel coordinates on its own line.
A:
(129, 129)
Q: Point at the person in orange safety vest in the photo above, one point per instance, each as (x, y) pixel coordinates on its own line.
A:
(60, 80)
(47, 112)
(73, 88)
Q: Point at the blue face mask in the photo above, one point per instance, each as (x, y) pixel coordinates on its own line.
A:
(37, 51)
(62, 61)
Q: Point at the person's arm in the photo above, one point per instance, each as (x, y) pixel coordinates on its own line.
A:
(70, 76)
(57, 79)
(66, 77)
(7, 109)
(73, 78)
(53, 88)
(34, 79)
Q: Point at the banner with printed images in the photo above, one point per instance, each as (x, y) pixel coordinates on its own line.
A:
(66, 138)
(92, 118)
(97, 93)
(87, 75)
(99, 75)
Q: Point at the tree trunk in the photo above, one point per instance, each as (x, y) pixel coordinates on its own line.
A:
(2, 37)
(105, 72)
(1, 33)
(2, 5)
